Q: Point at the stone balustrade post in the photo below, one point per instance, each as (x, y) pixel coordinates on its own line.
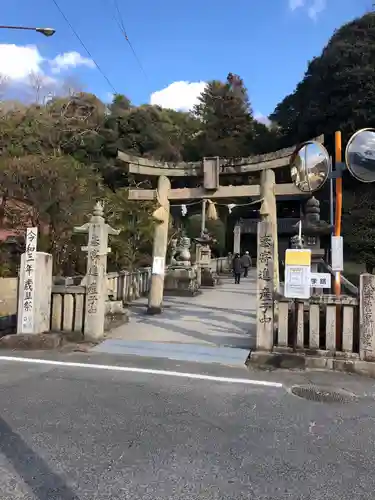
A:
(237, 238)
(367, 317)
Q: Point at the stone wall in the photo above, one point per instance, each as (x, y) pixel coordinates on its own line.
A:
(8, 296)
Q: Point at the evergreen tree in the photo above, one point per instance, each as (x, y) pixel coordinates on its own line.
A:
(338, 93)
(338, 89)
(226, 117)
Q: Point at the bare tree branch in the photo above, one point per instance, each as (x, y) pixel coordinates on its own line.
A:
(4, 82)
(41, 87)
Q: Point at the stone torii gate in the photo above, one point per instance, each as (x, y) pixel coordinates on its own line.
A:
(210, 170)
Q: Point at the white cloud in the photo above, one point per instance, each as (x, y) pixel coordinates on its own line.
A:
(180, 96)
(23, 67)
(316, 8)
(313, 7)
(17, 62)
(295, 4)
(261, 118)
(69, 60)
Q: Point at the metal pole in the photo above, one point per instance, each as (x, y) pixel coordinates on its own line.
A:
(331, 210)
(295, 323)
(43, 31)
(203, 221)
(338, 215)
(16, 28)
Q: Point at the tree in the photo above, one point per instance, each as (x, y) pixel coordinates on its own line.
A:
(359, 223)
(265, 138)
(133, 247)
(149, 131)
(216, 229)
(40, 86)
(337, 93)
(62, 126)
(4, 80)
(338, 89)
(52, 193)
(226, 117)
(119, 105)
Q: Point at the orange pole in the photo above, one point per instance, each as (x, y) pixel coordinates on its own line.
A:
(338, 215)
(338, 212)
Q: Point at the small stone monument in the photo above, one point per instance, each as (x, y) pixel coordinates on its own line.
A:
(207, 277)
(96, 275)
(35, 289)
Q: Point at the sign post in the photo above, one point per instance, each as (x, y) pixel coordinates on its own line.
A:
(297, 281)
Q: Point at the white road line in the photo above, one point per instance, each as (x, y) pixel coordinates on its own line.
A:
(150, 371)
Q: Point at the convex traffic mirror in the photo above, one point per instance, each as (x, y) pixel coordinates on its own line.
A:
(360, 155)
(310, 166)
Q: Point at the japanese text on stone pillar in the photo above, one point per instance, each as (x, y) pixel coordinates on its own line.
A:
(28, 284)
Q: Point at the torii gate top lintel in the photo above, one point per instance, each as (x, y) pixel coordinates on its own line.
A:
(151, 168)
(211, 169)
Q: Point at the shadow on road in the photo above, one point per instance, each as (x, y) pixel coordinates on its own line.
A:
(225, 341)
(32, 469)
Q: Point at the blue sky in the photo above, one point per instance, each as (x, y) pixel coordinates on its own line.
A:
(267, 42)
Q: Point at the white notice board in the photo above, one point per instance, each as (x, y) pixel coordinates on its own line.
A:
(158, 266)
(337, 248)
(297, 282)
(297, 273)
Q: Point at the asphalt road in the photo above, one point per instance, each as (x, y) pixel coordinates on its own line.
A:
(69, 432)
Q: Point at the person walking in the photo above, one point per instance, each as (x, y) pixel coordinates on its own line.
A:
(246, 263)
(237, 268)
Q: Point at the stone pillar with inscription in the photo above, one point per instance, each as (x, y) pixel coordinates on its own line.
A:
(159, 250)
(237, 238)
(367, 317)
(96, 274)
(268, 212)
(34, 296)
(265, 287)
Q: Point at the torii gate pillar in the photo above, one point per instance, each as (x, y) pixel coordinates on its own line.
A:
(159, 251)
(268, 212)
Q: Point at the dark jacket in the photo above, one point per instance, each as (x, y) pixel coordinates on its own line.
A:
(246, 260)
(237, 265)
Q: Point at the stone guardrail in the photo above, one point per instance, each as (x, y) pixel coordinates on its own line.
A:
(68, 301)
(314, 324)
(68, 308)
(128, 286)
(221, 265)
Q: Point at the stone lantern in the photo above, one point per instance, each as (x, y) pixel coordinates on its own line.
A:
(312, 230)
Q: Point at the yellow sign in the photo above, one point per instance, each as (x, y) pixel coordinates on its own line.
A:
(298, 257)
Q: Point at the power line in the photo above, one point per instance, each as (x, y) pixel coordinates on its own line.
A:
(120, 23)
(84, 46)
